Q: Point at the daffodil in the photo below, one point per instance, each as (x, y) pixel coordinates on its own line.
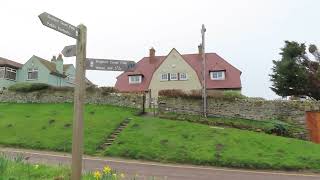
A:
(97, 175)
(106, 169)
(122, 175)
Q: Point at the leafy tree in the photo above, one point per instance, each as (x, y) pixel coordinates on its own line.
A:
(295, 74)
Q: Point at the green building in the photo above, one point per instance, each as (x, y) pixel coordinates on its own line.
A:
(37, 70)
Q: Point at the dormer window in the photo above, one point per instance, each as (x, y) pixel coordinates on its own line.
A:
(135, 79)
(217, 75)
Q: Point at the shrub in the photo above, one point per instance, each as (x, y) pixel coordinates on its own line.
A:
(107, 90)
(197, 94)
(173, 93)
(280, 130)
(233, 95)
(63, 88)
(28, 87)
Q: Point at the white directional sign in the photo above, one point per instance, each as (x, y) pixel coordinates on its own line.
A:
(69, 51)
(108, 64)
(59, 25)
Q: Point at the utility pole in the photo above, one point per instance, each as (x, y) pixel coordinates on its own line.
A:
(79, 95)
(204, 73)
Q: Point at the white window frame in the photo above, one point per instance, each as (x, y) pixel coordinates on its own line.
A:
(32, 70)
(174, 75)
(4, 72)
(164, 77)
(218, 75)
(183, 76)
(11, 70)
(135, 79)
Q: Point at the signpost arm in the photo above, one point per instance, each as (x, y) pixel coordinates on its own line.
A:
(79, 95)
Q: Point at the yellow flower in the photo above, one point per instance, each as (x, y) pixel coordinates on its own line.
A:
(36, 166)
(106, 169)
(97, 175)
(122, 175)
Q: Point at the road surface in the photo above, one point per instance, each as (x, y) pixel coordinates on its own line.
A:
(144, 170)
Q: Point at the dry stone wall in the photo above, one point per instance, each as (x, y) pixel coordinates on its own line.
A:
(50, 96)
(261, 110)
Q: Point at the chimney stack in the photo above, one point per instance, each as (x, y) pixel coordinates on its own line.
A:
(152, 54)
(200, 49)
(53, 59)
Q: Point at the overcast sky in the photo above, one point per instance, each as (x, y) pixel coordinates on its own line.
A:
(247, 33)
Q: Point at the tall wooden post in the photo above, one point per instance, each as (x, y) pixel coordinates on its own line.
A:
(79, 96)
(204, 72)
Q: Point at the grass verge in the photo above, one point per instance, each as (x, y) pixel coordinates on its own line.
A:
(184, 142)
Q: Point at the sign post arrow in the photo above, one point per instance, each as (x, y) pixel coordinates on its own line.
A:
(69, 51)
(108, 64)
(59, 25)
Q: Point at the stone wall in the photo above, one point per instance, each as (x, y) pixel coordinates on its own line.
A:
(292, 112)
(52, 96)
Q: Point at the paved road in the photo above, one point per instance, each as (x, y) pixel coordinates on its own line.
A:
(144, 170)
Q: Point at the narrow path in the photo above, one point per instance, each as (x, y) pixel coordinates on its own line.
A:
(159, 170)
(112, 137)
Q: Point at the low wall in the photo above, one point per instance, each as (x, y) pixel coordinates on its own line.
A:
(50, 96)
(292, 112)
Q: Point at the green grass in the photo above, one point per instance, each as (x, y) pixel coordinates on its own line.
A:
(49, 126)
(18, 170)
(247, 124)
(184, 142)
(32, 126)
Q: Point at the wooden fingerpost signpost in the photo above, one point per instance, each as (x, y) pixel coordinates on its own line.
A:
(80, 34)
(82, 63)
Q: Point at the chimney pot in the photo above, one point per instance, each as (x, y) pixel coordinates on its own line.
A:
(200, 49)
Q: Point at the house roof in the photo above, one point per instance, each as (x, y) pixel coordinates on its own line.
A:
(214, 62)
(4, 61)
(52, 66)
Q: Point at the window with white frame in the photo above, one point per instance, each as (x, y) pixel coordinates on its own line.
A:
(137, 79)
(164, 77)
(2, 70)
(32, 74)
(173, 76)
(11, 74)
(217, 75)
(183, 76)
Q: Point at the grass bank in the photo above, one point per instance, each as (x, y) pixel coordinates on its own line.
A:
(184, 142)
(49, 126)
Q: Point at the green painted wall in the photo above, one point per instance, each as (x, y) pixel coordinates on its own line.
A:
(44, 75)
(43, 72)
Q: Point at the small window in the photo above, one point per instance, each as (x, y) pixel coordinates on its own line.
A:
(11, 74)
(32, 74)
(2, 70)
(173, 76)
(217, 75)
(164, 77)
(135, 79)
(183, 76)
